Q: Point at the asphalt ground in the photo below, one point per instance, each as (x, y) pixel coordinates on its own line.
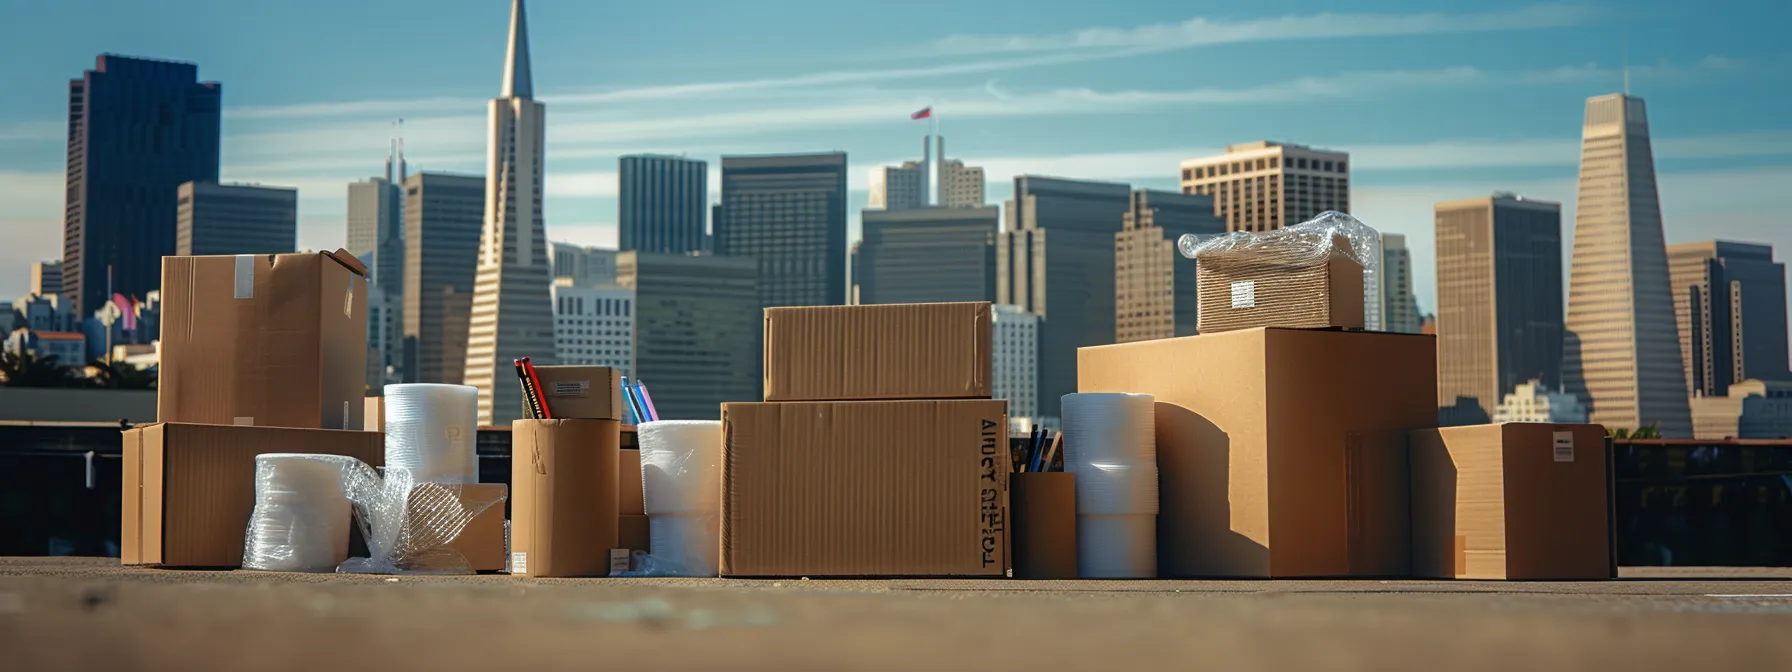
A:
(63, 613)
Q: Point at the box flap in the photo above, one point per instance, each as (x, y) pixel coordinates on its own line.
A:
(348, 260)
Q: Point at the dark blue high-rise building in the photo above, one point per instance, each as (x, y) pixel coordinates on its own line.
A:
(662, 203)
(137, 130)
(789, 212)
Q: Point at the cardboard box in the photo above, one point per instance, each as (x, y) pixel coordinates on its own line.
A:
(264, 340)
(1280, 452)
(563, 479)
(1044, 512)
(1514, 501)
(866, 488)
(632, 533)
(581, 392)
(630, 499)
(189, 489)
(374, 414)
(899, 351)
(1279, 284)
(481, 542)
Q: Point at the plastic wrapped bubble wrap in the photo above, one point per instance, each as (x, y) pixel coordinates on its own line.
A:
(408, 521)
(1110, 445)
(681, 481)
(302, 518)
(1306, 243)
(431, 430)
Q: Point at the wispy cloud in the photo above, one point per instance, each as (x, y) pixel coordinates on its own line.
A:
(33, 131)
(1203, 31)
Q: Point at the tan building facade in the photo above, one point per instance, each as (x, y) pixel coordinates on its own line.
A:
(1261, 186)
(1154, 287)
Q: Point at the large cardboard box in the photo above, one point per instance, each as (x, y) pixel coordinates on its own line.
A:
(189, 489)
(481, 542)
(868, 488)
(563, 479)
(581, 392)
(898, 351)
(1280, 452)
(1279, 284)
(1521, 501)
(264, 340)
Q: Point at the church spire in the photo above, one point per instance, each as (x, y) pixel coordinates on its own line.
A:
(516, 60)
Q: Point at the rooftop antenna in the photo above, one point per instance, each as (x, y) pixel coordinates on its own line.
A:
(402, 170)
(1627, 62)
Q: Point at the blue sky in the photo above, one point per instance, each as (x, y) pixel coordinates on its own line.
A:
(1435, 101)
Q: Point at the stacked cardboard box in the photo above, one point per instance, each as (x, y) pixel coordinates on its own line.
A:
(878, 451)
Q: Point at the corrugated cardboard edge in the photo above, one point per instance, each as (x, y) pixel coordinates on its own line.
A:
(154, 481)
(130, 529)
(348, 260)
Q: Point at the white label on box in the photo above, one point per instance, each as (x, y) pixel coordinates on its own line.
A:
(348, 298)
(519, 563)
(1564, 446)
(1244, 294)
(618, 560)
(245, 276)
(571, 388)
(244, 421)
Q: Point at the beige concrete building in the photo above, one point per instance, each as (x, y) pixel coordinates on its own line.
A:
(905, 187)
(1154, 287)
(1532, 402)
(1753, 409)
(1399, 308)
(1499, 301)
(1622, 353)
(1261, 186)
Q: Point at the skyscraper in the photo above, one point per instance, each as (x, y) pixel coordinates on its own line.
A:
(1399, 308)
(1730, 304)
(697, 327)
(788, 212)
(1621, 353)
(594, 327)
(442, 219)
(1055, 259)
(513, 312)
(1499, 302)
(1015, 360)
(906, 186)
(1261, 186)
(46, 278)
(137, 129)
(217, 218)
(927, 255)
(1154, 287)
(580, 266)
(662, 203)
(376, 236)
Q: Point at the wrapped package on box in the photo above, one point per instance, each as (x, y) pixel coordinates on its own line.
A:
(1321, 273)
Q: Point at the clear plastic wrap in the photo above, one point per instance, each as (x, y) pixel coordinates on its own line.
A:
(408, 521)
(681, 481)
(1312, 242)
(431, 429)
(302, 518)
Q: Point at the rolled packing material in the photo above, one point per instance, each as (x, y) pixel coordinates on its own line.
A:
(687, 545)
(302, 519)
(431, 430)
(1110, 443)
(681, 466)
(1116, 547)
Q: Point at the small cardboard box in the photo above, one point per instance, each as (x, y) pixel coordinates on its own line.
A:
(1524, 501)
(374, 414)
(865, 488)
(563, 479)
(1280, 452)
(1280, 284)
(189, 490)
(898, 351)
(264, 340)
(630, 498)
(581, 392)
(1044, 513)
(481, 542)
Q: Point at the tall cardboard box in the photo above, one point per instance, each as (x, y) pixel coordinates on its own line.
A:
(1280, 452)
(189, 489)
(264, 340)
(865, 488)
(896, 351)
(1523, 501)
(563, 483)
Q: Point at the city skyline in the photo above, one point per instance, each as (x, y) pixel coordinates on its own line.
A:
(1008, 94)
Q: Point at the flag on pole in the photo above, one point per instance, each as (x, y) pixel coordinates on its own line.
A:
(925, 113)
(127, 308)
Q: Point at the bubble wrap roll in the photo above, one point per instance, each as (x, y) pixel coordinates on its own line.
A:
(431, 431)
(1116, 547)
(681, 466)
(686, 545)
(1110, 443)
(302, 518)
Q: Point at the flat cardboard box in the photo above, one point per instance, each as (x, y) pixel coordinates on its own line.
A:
(1279, 285)
(1524, 501)
(581, 392)
(563, 478)
(189, 489)
(1280, 452)
(632, 533)
(481, 542)
(897, 351)
(264, 340)
(865, 488)
(630, 499)
(374, 414)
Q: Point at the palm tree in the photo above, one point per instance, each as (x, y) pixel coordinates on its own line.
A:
(28, 369)
(120, 376)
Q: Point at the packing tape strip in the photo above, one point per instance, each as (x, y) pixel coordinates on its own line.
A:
(245, 276)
